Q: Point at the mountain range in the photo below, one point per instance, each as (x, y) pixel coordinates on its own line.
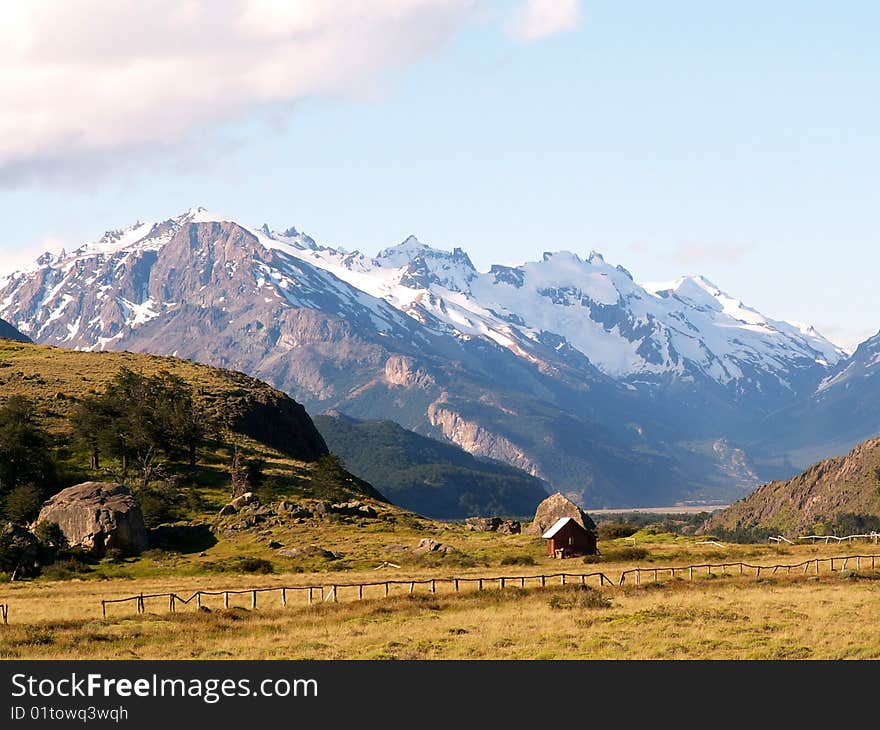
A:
(615, 392)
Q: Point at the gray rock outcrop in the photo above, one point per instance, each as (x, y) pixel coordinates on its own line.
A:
(555, 507)
(98, 516)
(494, 524)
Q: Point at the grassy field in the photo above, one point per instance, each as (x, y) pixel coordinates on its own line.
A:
(722, 617)
(58, 615)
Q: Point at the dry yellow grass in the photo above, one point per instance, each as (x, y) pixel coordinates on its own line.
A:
(725, 617)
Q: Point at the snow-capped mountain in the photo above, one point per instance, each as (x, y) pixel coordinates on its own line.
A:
(686, 328)
(565, 366)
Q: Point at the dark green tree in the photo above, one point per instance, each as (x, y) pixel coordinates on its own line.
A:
(329, 476)
(27, 465)
(139, 419)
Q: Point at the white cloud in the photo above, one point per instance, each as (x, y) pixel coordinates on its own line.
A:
(537, 19)
(85, 78)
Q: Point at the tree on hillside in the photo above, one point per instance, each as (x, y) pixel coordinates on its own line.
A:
(137, 420)
(329, 476)
(27, 465)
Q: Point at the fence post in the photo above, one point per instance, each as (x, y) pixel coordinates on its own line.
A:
(387, 589)
(690, 573)
(543, 581)
(5, 614)
(412, 586)
(832, 565)
(584, 579)
(198, 599)
(434, 585)
(638, 576)
(601, 579)
(562, 579)
(171, 603)
(141, 607)
(501, 584)
(522, 582)
(225, 599)
(655, 575)
(360, 592)
(480, 584)
(283, 596)
(455, 583)
(859, 562)
(103, 609)
(817, 566)
(310, 595)
(708, 570)
(333, 589)
(741, 568)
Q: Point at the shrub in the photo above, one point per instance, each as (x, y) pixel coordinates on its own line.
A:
(22, 504)
(579, 597)
(616, 530)
(71, 567)
(242, 565)
(618, 555)
(50, 536)
(517, 560)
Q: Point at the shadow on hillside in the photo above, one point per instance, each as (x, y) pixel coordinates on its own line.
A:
(182, 538)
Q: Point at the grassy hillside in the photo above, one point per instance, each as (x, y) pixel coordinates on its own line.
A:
(835, 496)
(265, 423)
(425, 475)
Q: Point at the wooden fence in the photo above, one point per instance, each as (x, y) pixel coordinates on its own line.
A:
(4, 613)
(741, 568)
(322, 593)
(871, 537)
(332, 592)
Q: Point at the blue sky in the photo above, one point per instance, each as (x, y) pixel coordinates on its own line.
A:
(736, 140)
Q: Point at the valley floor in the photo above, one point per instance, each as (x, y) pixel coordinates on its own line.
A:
(832, 616)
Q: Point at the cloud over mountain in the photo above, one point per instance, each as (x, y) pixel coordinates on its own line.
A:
(90, 78)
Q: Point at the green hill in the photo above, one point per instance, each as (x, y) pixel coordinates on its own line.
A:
(269, 428)
(427, 476)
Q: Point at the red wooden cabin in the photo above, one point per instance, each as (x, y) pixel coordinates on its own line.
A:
(566, 538)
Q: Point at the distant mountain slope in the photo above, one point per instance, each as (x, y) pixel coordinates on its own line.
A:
(427, 476)
(843, 411)
(8, 332)
(843, 490)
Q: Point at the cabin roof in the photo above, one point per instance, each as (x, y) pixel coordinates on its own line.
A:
(557, 526)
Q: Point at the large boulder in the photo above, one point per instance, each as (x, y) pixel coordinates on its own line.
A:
(98, 516)
(555, 507)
